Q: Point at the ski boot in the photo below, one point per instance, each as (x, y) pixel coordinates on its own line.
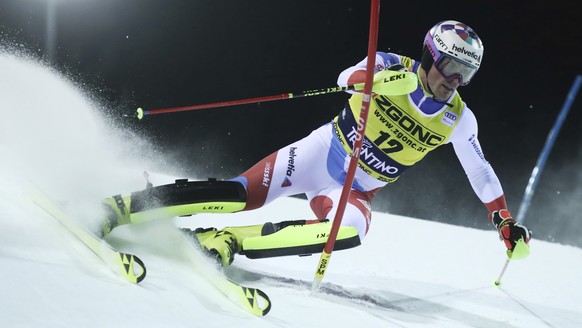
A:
(117, 213)
(296, 237)
(219, 245)
(223, 244)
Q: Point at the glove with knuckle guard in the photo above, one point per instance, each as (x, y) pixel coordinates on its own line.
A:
(510, 232)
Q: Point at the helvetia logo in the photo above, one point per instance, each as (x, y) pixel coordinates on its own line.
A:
(290, 167)
(286, 182)
(471, 54)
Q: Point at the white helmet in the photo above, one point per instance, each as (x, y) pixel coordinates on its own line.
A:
(454, 48)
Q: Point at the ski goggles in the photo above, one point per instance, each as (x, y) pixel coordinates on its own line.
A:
(452, 68)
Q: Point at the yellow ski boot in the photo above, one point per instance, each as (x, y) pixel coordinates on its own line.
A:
(117, 213)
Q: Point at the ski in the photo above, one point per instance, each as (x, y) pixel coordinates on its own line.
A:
(127, 265)
(253, 300)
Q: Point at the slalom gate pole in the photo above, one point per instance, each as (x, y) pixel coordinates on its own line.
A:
(355, 156)
(541, 163)
(140, 113)
(550, 140)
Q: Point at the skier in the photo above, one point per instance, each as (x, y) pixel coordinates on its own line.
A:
(401, 130)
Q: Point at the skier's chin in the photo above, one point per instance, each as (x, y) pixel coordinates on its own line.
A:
(444, 92)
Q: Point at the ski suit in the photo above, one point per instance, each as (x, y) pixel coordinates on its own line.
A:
(401, 130)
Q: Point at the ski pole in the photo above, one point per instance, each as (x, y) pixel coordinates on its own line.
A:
(497, 282)
(385, 83)
(140, 113)
(355, 156)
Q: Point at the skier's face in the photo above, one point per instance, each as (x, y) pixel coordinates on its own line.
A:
(441, 87)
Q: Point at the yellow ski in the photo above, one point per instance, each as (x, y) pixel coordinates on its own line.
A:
(253, 300)
(127, 265)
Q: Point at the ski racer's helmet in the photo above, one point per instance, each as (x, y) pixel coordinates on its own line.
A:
(454, 48)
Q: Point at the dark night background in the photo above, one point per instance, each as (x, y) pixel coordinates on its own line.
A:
(158, 54)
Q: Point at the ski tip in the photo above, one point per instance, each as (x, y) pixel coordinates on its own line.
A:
(132, 267)
(254, 300)
(267, 307)
(140, 263)
(259, 303)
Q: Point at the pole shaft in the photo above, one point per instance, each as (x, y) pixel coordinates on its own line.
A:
(309, 93)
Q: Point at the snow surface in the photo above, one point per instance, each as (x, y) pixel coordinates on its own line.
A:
(407, 273)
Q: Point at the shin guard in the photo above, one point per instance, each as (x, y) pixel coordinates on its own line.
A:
(296, 238)
(183, 198)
